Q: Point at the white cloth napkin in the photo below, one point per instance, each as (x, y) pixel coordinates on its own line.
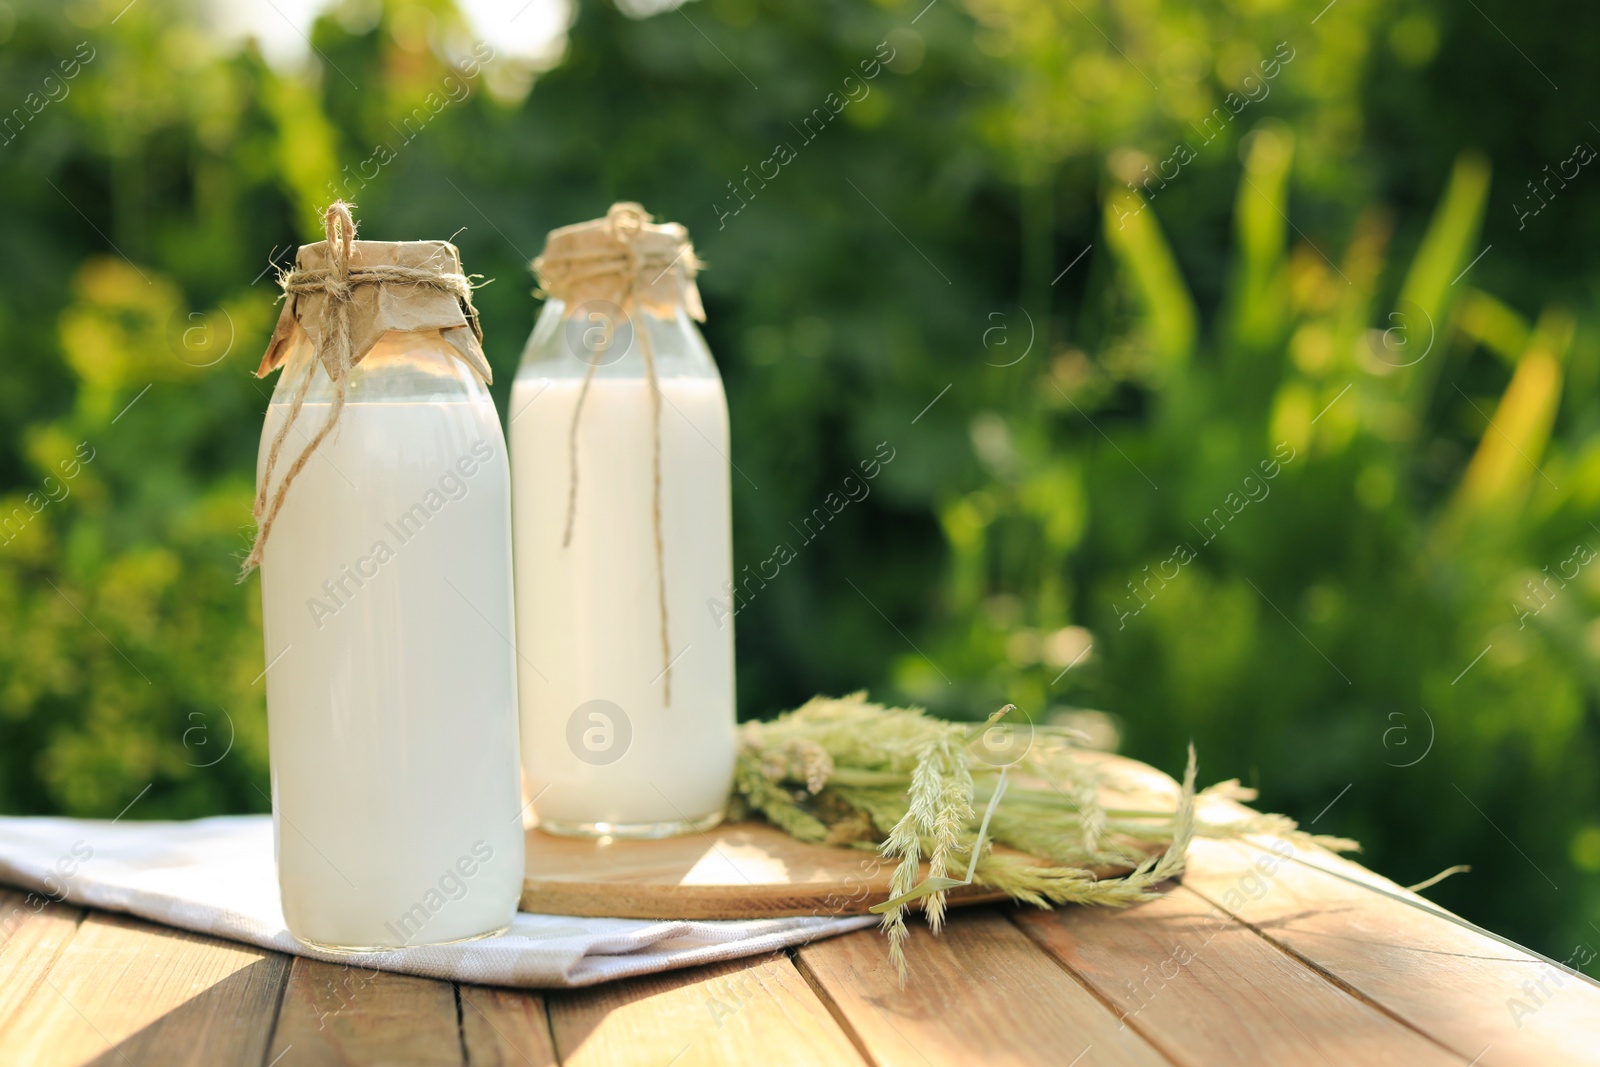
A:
(217, 876)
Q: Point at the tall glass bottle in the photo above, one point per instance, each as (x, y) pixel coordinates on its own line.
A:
(623, 534)
(386, 603)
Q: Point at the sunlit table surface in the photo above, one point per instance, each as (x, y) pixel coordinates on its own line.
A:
(1254, 958)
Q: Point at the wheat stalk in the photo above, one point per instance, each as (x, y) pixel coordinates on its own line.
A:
(849, 772)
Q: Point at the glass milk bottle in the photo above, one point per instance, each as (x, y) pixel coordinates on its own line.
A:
(623, 530)
(386, 603)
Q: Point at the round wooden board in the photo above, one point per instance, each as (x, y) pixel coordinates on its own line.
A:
(750, 870)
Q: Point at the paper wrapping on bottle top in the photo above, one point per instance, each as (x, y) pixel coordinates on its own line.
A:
(377, 307)
(619, 259)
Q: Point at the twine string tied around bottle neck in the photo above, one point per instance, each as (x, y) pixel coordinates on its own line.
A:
(337, 284)
(619, 269)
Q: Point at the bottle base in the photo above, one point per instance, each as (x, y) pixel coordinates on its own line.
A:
(357, 950)
(635, 830)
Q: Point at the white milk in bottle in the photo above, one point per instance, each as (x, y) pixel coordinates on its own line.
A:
(386, 603)
(623, 534)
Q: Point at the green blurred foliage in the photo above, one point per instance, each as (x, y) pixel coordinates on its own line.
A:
(1091, 270)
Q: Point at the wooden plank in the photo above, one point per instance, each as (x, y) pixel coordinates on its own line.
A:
(1493, 1005)
(128, 991)
(752, 870)
(981, 992)
(505, 1028)
(1205, 989)
(741, 1012)
(756, 871)
(33, 933)
(746, 870)
(348, 1014)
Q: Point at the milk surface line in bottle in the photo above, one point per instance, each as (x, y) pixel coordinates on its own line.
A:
(623, 534)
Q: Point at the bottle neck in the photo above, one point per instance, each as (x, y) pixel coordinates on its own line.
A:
(401, 367)
(598, 338)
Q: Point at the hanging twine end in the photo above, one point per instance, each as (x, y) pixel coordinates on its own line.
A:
(339, 225)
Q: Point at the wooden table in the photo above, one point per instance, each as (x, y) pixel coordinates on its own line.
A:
(1252, 960)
